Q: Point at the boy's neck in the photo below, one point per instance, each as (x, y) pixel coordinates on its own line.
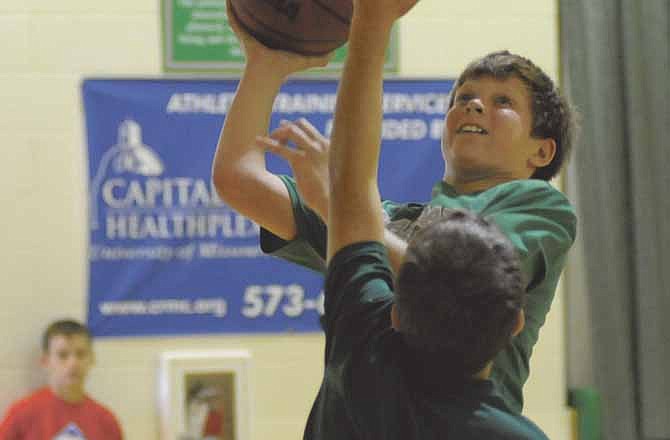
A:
(69, 394)
(471, 185)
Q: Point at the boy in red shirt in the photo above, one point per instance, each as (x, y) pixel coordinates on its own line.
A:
(62, 410)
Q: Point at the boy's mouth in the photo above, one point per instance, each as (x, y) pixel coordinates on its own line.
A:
(471, 129)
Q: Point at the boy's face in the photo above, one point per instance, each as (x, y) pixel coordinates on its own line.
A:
(487, 131)
(68, 360)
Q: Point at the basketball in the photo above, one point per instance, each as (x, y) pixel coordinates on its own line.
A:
(307, 27)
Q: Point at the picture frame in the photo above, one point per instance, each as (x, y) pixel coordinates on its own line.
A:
(205, 395)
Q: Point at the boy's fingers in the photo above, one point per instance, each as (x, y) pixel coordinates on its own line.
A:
(292, 132)
(278, 148)
(309, 129)
(280, 133)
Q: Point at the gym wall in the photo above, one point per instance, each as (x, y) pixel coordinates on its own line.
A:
(47, 48)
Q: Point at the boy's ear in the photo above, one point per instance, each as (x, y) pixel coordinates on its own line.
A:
(44, 359)
(543, 153)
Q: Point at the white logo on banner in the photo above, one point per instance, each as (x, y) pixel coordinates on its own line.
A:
(132, 197)
(129, 155)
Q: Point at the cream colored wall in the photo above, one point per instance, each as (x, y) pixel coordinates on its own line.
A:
(46, 48)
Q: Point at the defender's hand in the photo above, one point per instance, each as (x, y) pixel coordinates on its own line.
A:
(308, 158)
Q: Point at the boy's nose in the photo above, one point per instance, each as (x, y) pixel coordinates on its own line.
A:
(475, 105)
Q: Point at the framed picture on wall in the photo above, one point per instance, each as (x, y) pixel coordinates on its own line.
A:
(205, 395)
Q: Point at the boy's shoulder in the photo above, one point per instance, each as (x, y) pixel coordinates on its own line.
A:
(39, 396)
(98, 407)
(495, 419)
(31, 404)
(44, 398)
(528, 194)
(507, 425)
(528, 186)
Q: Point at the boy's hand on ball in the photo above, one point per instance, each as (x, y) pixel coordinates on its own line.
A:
(281, 62)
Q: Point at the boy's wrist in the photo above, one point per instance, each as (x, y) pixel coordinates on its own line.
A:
(264, 73)
(371, 20)
(369, 36)
(376, 26)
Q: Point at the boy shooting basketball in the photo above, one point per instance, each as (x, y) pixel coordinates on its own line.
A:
(507, 132)
(411, 363)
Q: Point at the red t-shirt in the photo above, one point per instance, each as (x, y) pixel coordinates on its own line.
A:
(44, 416)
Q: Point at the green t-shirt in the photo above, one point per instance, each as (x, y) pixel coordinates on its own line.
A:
(376, 387)
(535, 216)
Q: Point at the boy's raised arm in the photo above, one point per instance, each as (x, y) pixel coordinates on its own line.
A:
(354, 211)
(238, 170)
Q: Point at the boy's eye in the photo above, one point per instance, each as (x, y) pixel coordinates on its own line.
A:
(503, 100)
(464, 98)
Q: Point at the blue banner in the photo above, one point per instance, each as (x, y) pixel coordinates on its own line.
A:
(166, 255)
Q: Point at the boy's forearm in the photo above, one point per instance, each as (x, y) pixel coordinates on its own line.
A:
(354, 211)
(396, 248)
(248, 117)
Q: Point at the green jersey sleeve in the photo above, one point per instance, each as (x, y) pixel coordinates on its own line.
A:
(308, 248)
(540, 222)
(358, 296)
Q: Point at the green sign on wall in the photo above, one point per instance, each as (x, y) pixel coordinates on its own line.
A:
(197, 38)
